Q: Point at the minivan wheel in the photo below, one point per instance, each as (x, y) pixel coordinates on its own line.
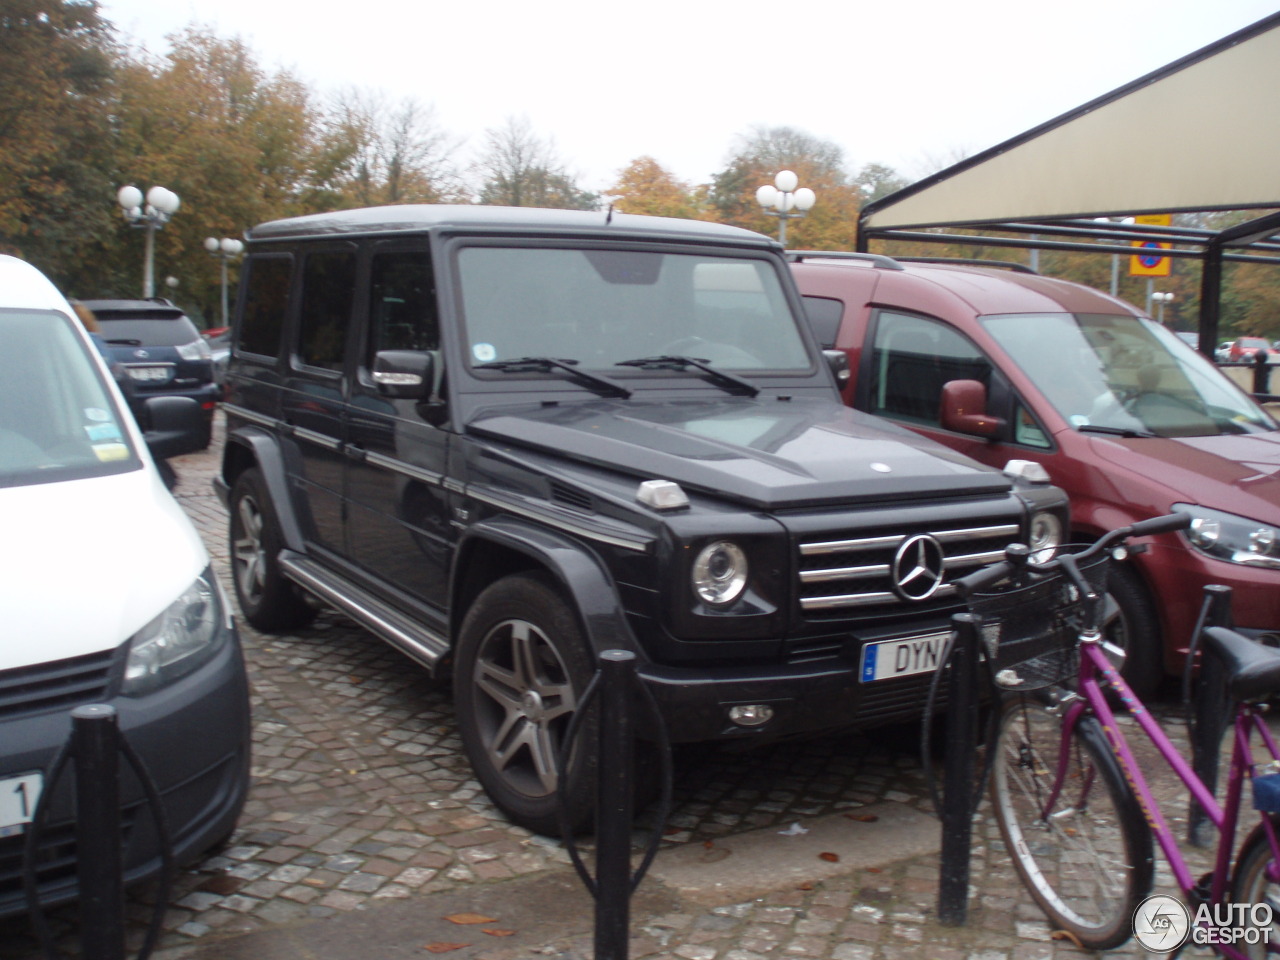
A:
(268, 600)
(521, 667)
(1136, 631)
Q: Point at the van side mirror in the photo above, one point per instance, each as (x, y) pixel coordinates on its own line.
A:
(964, 409)
(403, 374)
(174, 426)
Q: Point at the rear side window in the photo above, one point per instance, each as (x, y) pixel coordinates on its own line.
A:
(824, 318)
(328, 290)
(265, 304)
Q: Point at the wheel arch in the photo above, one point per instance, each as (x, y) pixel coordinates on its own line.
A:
(503, 546)
(251, 447)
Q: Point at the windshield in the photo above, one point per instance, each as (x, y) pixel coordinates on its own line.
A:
(57, 418)
(1124, 375)
(601, 308)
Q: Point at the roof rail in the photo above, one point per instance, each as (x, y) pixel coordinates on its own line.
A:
(973, 262)
(875, 259)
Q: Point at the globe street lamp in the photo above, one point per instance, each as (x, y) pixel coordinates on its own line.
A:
(1162, 299)
(224, 250)
(780, 198)
(161, 205)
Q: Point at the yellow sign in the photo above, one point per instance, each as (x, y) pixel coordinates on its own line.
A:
(1149, 263)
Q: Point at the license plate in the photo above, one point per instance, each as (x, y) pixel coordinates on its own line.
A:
(18, 796)
(150, 374)
(902, 658)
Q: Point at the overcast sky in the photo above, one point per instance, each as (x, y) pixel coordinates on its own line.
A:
(913, 84)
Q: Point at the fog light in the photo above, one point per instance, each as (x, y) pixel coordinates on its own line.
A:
(751, 714)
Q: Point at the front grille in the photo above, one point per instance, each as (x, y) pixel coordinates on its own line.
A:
(62, 684)
(56, 863)
(838, 575)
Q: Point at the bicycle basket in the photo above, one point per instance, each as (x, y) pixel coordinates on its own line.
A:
(1030, 629)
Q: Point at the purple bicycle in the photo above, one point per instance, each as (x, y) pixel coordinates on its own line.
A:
(1072, 803)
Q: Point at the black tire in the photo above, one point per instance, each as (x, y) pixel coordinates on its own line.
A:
(521, 667)
(1088, 863)
(268, 599)
(1251, 885)
(1136, 631)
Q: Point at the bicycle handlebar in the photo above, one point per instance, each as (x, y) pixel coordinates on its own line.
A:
(980, 579)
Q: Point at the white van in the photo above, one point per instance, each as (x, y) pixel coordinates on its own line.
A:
(106, 596)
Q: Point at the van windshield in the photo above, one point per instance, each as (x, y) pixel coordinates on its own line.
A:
(58, 420)
(599, 308)
(1125, 375)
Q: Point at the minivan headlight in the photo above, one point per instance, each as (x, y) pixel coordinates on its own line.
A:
(181, 639)
(1224, 536)
(720, 573)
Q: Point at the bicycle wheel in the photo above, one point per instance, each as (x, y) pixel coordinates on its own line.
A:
(1251, 885)
(1087, 860)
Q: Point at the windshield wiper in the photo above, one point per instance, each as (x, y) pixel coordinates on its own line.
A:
(1114, 431)
(721, 377)
(597, 381)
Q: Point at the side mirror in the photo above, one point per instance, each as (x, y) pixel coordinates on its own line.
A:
(838, 361)
(175, 425)
(404, 374)
(964, 409)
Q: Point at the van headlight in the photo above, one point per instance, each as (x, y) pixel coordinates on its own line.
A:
(720, 573)
(180, 640)
(1224, 536)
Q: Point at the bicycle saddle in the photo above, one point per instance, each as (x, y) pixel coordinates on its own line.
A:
(1253, 671)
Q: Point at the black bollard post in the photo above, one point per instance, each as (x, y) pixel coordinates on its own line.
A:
(95, 736)
(1262, 371)
(614, 805)
(1211, 713)
(957, 771)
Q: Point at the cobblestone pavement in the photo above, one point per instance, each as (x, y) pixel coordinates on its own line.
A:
(362, 800)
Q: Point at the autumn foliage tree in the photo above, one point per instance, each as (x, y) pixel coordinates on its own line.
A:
(644, 186)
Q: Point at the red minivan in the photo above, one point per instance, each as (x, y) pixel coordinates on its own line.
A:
(1007, 365)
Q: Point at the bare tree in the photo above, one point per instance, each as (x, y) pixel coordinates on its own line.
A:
(519, 169)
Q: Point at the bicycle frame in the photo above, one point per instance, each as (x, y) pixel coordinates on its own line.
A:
(1096, 671)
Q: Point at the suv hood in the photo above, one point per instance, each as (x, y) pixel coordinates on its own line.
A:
(1236, 474)
(87, 563)
(768, 453)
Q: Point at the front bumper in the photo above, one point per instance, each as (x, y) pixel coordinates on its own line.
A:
(193, 738)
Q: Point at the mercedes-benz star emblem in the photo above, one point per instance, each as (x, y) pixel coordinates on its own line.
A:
(918, 567)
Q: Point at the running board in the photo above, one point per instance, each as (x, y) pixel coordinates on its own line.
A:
(409, 637)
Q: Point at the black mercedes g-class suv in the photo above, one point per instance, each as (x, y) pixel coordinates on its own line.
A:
(506, 440)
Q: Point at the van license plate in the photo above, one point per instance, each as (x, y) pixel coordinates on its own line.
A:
(18, 796)
(902, 658)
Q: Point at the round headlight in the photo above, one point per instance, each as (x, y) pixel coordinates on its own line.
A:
(1045, 536)
(720, 573)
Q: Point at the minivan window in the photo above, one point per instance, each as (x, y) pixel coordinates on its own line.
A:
(266, 281)
(912, 358)
(606, 307)
(1125, 375)
(58, 420)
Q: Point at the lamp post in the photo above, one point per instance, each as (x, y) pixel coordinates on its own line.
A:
(161, 205)
(780, 198)
(1162, 299)
(224, 250)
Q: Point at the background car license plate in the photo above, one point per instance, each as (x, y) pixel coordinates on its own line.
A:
(902, 658)
(149, 374)
(18, 796)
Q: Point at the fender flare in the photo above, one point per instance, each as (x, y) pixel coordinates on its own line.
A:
(264, 452)
(577, 569)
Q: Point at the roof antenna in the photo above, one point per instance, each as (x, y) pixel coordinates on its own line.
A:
(608, 219)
